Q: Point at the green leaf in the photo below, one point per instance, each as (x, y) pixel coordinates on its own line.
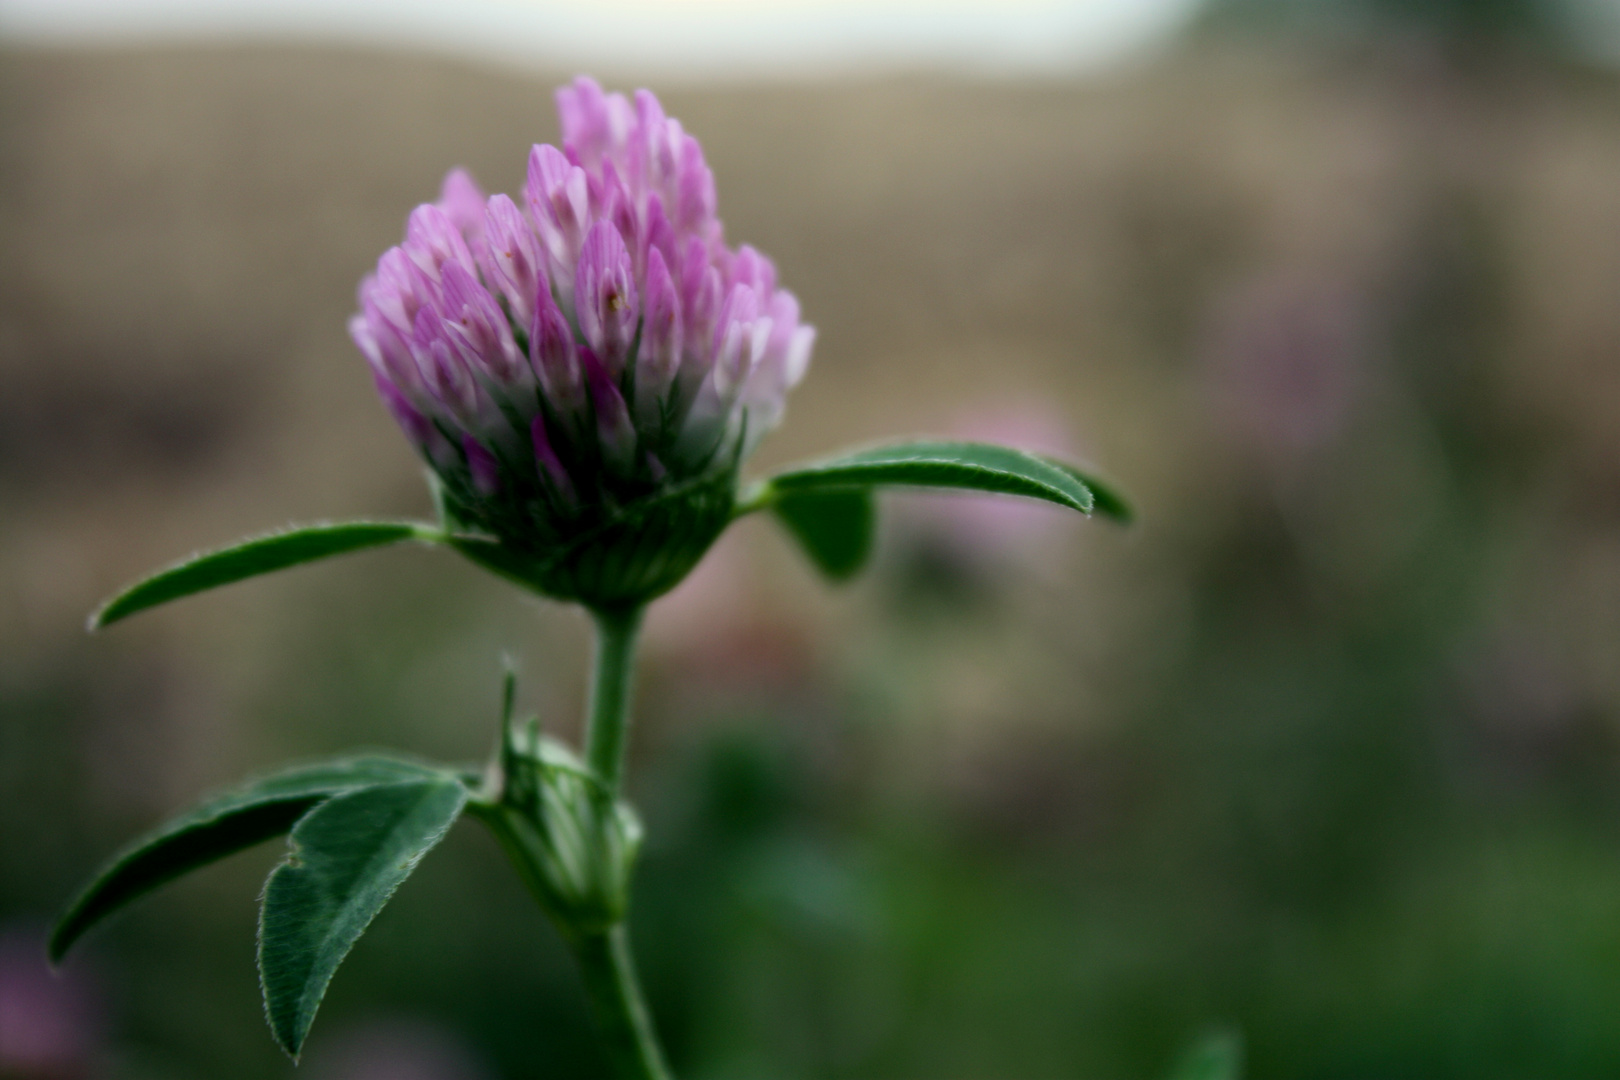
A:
(346, 858)
(957, 465)
(1216, 1056)
(223, 825)
(1105, 499)
(253, 556)
(834, 527)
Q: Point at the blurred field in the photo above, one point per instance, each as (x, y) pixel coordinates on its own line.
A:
(1323, 750)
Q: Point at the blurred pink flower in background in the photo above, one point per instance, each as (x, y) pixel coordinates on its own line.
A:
(1285, 354)
(49, 1021)
(986, 529)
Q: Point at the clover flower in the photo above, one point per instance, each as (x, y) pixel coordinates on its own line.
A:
(588, 364)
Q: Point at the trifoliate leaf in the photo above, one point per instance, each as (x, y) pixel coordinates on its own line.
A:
(346, 858)
(223, 825)
(254, 556)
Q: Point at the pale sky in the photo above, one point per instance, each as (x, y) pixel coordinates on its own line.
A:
(704, 39)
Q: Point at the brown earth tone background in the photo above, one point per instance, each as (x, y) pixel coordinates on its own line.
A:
(1322, 750)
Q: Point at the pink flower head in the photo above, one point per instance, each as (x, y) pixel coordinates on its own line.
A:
(592, 341)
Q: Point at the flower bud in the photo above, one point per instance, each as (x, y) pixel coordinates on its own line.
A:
(573, 844)
(586, 368)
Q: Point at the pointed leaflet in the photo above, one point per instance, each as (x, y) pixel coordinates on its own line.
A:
(347, 857)
(230, 822)
(833, 527)
(1104, 499)
(253, 556)
(958, 465)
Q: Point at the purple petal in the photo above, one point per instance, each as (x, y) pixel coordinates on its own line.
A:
(754, 270)
(740, 341)
(659, 356)
(432, 239)
(697, 200)
(659, 234)
(734, 352)
(558, 194)
(475, 324)
(701, 293)
(614, 431)
(594, 124)
(463, 203)
(619, 206)
(555, 359)
(398, 289)
(660, 138)
(385, 348)
(511, 262)
(583, 111)
(546, 458)
(774, 362)
(445, 373)
(782, 364)
(605, 300)
(486, 471)
(797, 361)
(427, 439)
(641, 151)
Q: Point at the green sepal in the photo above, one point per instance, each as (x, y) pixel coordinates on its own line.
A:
(246, 815)
(619, 554)
(346, 857)
(960, 466)
(835, 527)
(254, 556)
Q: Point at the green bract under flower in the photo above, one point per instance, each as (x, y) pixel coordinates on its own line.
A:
(584, 373)
(611, 554)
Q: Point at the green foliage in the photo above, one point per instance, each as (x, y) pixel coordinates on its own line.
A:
(1105, 500)
(1217, 1056)
(962, 466)
(250, 814)
(254, 556)
(347, 857)
(834, 528)
(828, 507)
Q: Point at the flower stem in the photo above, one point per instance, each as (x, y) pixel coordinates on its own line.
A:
(609, 720)
(621, 1013)
(604, 958)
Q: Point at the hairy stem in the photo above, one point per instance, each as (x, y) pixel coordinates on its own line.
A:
(604, 957)
(621, 1013)
(609, 721)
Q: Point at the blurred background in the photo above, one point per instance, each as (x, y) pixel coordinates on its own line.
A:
(1324, 751)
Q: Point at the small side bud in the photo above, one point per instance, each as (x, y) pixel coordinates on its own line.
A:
(572, 844)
